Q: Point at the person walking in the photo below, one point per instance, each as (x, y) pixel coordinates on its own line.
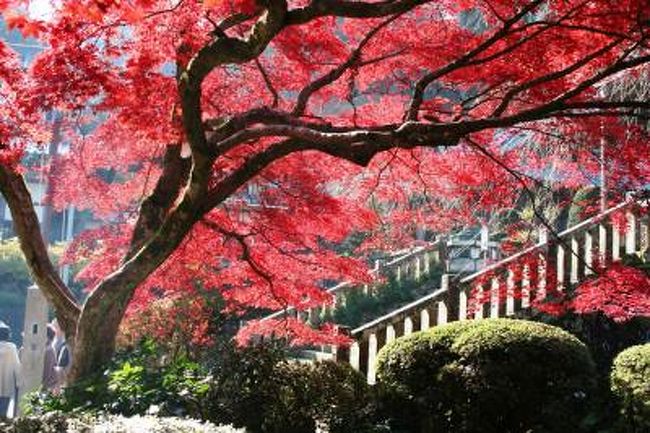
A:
(63, 364)
(62, 356)
(10, 373)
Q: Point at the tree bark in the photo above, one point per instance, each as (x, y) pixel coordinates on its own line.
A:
(154, 208)
(26, 224)
(103, 311)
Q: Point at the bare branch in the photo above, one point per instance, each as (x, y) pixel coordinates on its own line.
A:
(268, 82)
(248, 258)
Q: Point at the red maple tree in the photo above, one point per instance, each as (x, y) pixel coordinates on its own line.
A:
(319, 104)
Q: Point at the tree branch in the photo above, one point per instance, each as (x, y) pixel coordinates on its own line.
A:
(426, 80)
(353, 59)
(26, 224)
(268, 82)
(248, 258)
(509, 96)
(154, 208)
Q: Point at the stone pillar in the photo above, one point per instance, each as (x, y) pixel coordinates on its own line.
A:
(34, 339)
(342, 353)
(452, 297)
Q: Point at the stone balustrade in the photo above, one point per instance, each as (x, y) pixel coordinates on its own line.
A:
(510, 285)
(410, 264)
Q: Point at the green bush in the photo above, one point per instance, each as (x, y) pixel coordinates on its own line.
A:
(330, 395)
(360, 307)
(136, 382)
(488, 376)
(343, 400)
(254, 388)
(630, 381)
(241, 383)
(605, 339)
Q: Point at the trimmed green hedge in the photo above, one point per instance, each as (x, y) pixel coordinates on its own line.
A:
(630, 382)
(487, 376)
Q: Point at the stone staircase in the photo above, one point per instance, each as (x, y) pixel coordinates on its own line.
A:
(413, 263)
(502, 289)
(509, 285)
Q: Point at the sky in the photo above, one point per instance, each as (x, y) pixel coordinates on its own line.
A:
(40, 9)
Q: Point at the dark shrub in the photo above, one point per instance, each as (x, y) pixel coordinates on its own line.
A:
(631, 385)
(257, 390)
(501, 376)
(242, 384)
(54, 422)
(342, 398)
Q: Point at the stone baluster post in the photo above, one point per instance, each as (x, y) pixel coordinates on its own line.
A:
(510, 292)
(525, 286)
(32, 354)
(495, 287)
(630, 234)
(372, 358)
(575, 260)
(452, 297)
(589, 252)
(425, 320)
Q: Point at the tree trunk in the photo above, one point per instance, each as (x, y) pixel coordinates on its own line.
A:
(96, 333)
(105, 307)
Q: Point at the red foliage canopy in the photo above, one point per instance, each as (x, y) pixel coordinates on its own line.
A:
(230, 142)
(621, 293)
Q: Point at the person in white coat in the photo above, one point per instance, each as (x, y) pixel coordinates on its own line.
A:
(10, 374)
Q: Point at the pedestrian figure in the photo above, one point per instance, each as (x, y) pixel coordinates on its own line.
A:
(49, 365)
(63, 364)
(63, 356)
(10, 374)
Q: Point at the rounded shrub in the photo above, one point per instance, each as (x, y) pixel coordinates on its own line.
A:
(342, 402)
(305, 396)
(496, 375)
(265, 394)
(630, 381)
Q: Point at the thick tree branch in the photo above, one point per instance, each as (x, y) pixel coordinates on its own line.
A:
(42, 270)
(358, 147)
(155, 207)
(235, 50)
(350, 9)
